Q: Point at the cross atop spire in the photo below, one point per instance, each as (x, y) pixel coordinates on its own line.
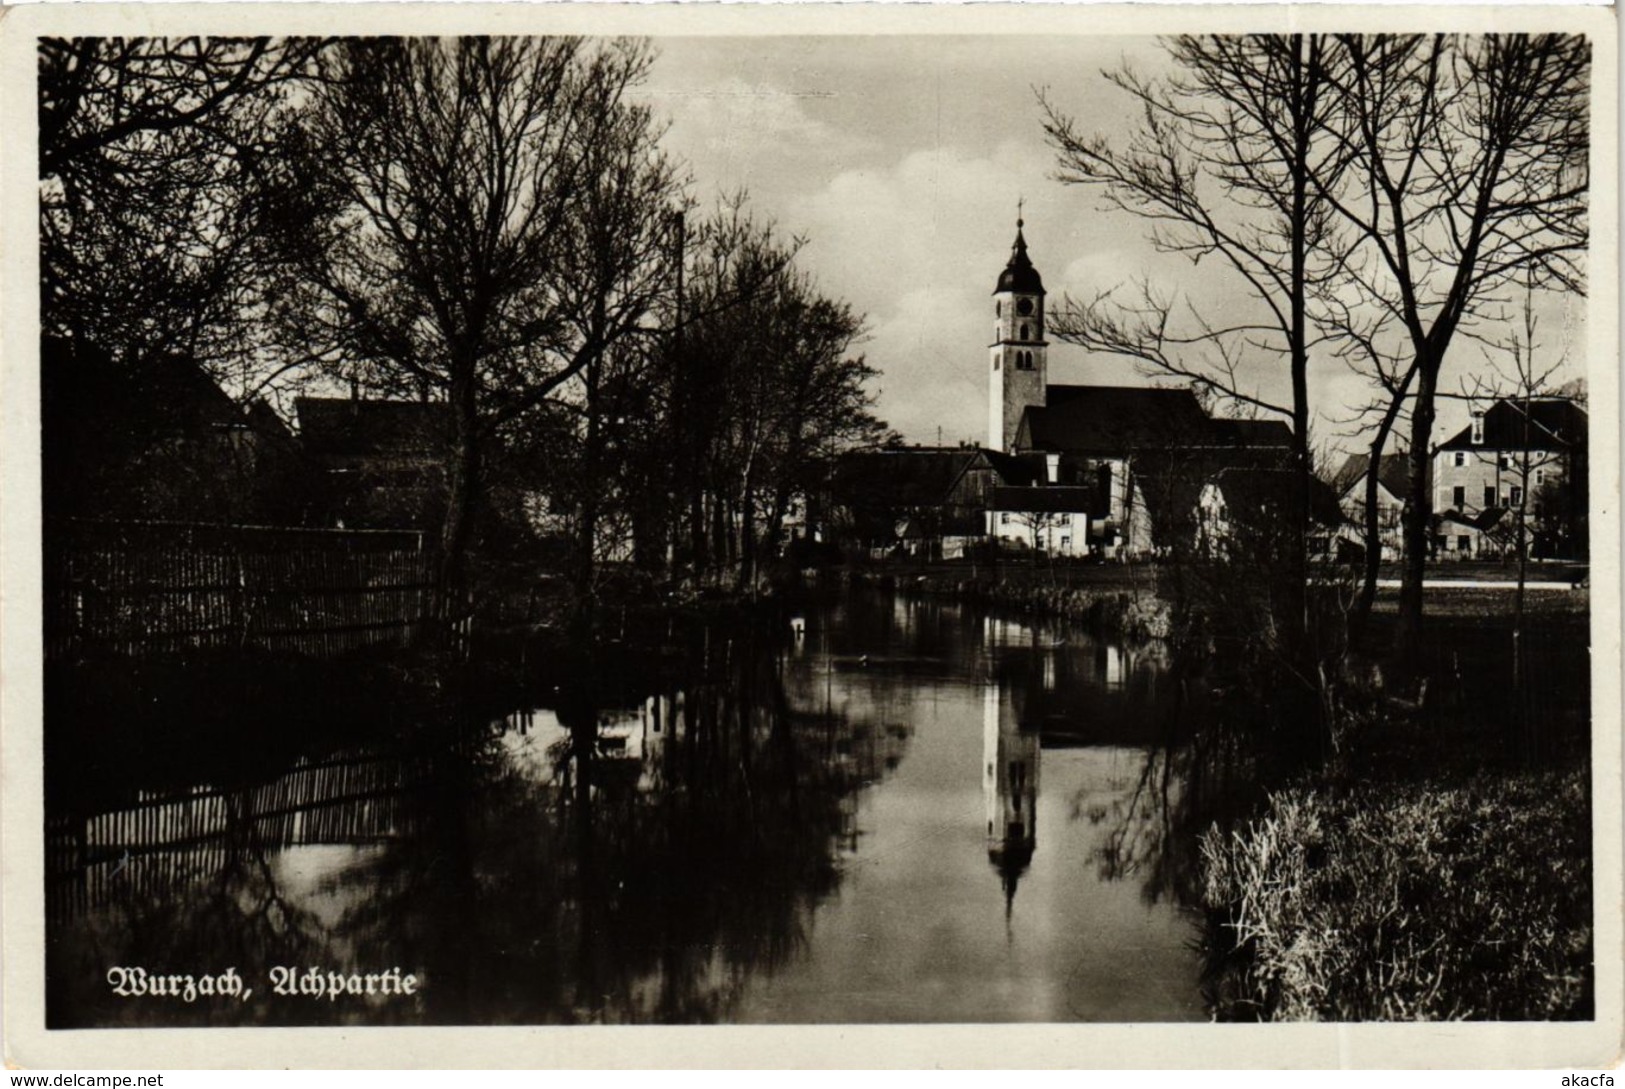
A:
(1019, 274)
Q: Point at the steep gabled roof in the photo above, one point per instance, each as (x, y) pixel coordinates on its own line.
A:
(1550, 423)
(1393, 473)
(1484, 521)
(1116, 419)
(345, 426)
(902, 477)
(1054, 499)
(1016, 470)
(1270, 433)
(157, 394)
(1251, 492)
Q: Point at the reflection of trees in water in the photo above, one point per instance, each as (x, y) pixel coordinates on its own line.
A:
(1198, 773)
(623, 888)
(185, 886)
(603, 886)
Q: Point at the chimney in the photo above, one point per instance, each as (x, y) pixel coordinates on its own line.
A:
(1052, 468)
(1478, 428)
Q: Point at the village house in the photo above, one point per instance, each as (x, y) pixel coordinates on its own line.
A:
(157, 439)
(1393, 490)
(1457, 535)
(1056, 519)
(1527, 454)
(1243, 512)
(926, 501)
(384, 462)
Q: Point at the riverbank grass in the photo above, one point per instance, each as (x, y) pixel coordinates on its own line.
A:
(1419, 900)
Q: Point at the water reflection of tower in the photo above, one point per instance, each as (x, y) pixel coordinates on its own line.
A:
(1010, 788)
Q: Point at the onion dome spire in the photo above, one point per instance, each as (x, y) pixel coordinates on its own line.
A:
(1019, 273)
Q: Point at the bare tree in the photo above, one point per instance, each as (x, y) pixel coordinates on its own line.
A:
(616, 284)
(766, 389)
(1469, 171)
(442, 202)
(1223, 166)
(1364, 340)
(1518, 381)
(150, 157)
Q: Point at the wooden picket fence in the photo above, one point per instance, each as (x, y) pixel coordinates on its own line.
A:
(140, 589)
(160, 843)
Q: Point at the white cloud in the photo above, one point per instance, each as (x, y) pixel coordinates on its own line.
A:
(918, 245)
(735, 113)
(902, 159)
(927, 383)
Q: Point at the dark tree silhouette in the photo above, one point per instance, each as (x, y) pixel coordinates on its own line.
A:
(473, 218)
(151, 155)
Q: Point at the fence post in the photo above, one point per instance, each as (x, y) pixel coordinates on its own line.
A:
(239, 614)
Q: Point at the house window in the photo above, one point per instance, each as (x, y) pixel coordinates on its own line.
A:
(1004, 518)
(1066, 542)
(1458, 497)
(1461, 459)
(1461, 543)
(1516, 496)
(1540, 477)
(996, 362)
(1489, 495)
(1440, 541)
(1506, 459)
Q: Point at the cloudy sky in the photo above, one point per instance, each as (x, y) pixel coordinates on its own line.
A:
(901, 159)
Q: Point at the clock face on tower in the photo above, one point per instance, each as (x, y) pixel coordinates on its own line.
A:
(1024, 307)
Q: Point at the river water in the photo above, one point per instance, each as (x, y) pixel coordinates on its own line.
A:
(891, 810)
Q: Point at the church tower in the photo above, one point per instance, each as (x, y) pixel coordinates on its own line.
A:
(1010, 757)
(1019, 371)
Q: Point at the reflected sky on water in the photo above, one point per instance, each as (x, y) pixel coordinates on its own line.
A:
(910, 812)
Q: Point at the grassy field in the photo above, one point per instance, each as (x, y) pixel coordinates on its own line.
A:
(1472, 602)
(1497, 570)
(1407, 901)
(1438, 865)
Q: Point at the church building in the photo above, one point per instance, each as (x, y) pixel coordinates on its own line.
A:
(1105, 465)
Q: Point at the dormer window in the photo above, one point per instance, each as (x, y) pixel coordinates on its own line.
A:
(1478, 429)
